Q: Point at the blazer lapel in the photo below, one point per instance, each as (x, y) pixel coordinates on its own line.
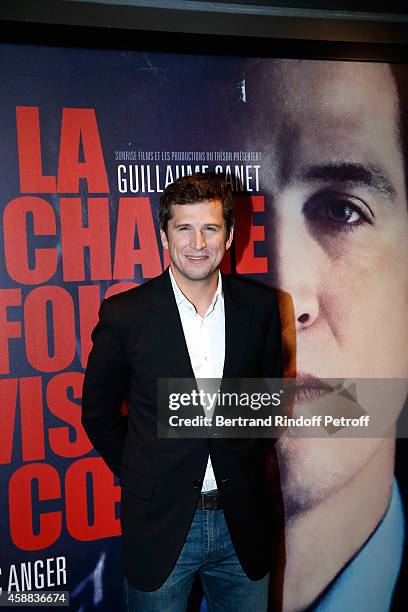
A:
(170, 331)
(237, 323)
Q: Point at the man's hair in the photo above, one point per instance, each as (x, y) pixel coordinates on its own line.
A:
(196, 188)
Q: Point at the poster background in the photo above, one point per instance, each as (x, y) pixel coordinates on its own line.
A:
(143, 102)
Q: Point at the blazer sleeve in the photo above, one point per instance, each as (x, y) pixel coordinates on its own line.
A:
(105, 388)
(272, 366)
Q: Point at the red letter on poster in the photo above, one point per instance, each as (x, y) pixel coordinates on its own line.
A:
(8, 329)
(246, 234)
(32, 419)
(50, 328)
(75, 237)
(8, 401)
(79, 127)
(32, 179)
(104, 496)
(69, 412)
(16, 240)
(135, 215)
(21, 506)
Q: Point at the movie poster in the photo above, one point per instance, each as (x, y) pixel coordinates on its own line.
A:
(314, 151)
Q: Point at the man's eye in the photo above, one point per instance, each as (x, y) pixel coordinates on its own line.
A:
(339, 213)
(342, 212)
(211, 229)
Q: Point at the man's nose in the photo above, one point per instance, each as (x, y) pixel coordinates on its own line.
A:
(296, 261)
(197, 240)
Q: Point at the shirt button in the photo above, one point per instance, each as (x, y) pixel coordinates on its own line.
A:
(197, 484)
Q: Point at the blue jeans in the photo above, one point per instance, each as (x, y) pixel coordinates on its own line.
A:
(207, 550)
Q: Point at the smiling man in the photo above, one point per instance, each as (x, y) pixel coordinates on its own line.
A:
(333, 172)
(188, 505)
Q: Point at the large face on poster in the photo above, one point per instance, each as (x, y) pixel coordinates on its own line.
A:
(334, 179)
(333, 176)
(89, 140)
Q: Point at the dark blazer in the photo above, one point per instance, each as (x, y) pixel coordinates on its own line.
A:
(138, 339)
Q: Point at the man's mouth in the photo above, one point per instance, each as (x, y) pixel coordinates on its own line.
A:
(197, 258)
(307, 388)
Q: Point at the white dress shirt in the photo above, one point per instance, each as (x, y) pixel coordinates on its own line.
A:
(205, 339)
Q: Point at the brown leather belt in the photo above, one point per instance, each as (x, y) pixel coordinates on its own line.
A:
(210, 500)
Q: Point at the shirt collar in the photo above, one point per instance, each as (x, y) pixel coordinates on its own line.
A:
(181, 299)
(367, 582)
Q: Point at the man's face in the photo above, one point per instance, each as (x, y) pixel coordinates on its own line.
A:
(196, 239)
(338, 244)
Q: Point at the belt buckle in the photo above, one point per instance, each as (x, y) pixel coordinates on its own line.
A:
(210, 501)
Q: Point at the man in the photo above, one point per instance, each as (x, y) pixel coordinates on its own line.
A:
(334, 177)
(191, 322)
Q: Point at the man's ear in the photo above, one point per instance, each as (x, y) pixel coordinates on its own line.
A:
(164, 240)
(229, 239)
